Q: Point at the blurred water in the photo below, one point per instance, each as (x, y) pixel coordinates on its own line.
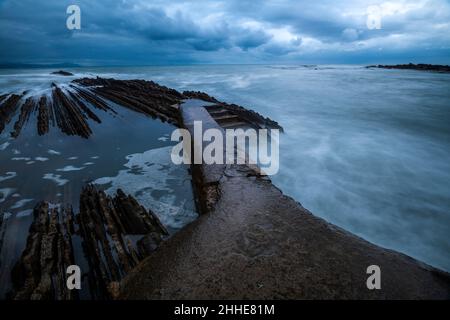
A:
(365, 149)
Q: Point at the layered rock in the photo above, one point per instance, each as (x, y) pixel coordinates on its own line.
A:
(25, 111)
(40, 274)
(233, 115)
(8, 108)
(68, 115)
(116, 233)
(44, 113)
(70, 107)
(142, 96)
(109, 229)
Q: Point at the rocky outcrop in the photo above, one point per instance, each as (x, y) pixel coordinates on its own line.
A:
(40, 273)
(109, 229)
(116, 233)
(142, 96)
(411, 66)
(27, 107)
(68, 115)
(232, 115)
(62, 73)
(70, 107)
(8, 108)
(44, 111)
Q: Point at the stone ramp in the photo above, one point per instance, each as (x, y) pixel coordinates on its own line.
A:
(253, 242)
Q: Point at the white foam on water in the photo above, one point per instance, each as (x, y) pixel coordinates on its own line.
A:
(8, 175)
(55, 178)
(42, 159)
(88, 163)
(20, 203)
(72, 158)
(4, 193)
(53, 152)
(24, 213)
(157, 184)
(70, 168)
(6, 215)
(3, 146)
(21, 159)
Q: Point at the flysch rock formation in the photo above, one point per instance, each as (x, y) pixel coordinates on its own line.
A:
(70, 108)
(116, 233)
(41, 272)
(253, 242)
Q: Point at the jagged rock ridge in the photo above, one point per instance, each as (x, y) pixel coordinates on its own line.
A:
(70, 107)
(116, 233)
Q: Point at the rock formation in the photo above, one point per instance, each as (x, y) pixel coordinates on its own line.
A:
(62, 73)
(116, 233)
(109, 228)
(70, 107)
(8, 108)
(40, 273)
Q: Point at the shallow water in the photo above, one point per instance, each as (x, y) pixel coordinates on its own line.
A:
(127, 150)
(365, 149)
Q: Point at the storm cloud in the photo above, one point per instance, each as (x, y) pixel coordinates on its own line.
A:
(228, 31)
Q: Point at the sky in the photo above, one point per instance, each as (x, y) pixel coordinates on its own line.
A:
(138, 32)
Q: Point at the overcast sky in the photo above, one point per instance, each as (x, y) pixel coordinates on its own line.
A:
(132, 32)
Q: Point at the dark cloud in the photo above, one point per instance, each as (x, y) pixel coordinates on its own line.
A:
(218, 31)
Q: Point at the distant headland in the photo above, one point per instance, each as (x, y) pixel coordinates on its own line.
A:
(412, 66)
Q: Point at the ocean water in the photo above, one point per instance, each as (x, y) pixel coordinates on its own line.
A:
(365, 149)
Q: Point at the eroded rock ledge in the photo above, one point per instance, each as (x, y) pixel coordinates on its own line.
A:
(254, 242)
(115, 233)
(72, 107)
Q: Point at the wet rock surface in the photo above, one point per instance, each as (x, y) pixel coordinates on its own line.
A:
(142, 96)
(40, 273)
(231, 116)
(8, 108)
(116, 233)
(256, 243)
(253, 242)
(71, 107)
(108, 227)
(411, 66)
